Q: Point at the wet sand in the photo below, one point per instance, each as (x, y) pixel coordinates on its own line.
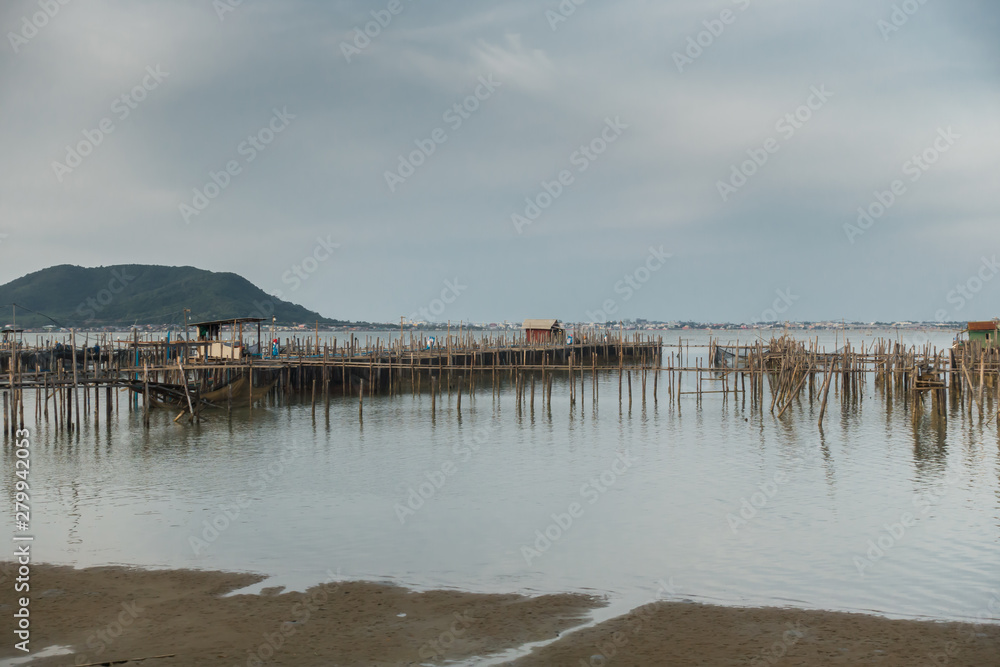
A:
(113, 614)
(677, 633)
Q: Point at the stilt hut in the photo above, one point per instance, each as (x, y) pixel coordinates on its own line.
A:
(214, 344)
(543, 331)
(985, 333)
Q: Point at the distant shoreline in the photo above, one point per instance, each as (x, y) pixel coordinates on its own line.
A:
(389, 328)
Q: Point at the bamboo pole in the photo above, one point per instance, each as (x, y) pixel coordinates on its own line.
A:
(826, 391)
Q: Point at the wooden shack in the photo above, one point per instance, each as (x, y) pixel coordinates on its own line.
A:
(215, 345)
(543, 331)
(985, 333)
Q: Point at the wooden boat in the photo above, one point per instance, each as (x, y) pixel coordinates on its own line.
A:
(173, 395)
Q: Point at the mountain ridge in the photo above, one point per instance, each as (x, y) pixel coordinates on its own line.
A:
(68, 295)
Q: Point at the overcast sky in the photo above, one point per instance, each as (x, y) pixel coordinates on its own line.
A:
(648, 111)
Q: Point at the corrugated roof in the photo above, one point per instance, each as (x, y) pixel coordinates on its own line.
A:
(541, 324)
(983, 326)
(231, 320)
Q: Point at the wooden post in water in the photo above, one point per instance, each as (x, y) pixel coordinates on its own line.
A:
(982, 383)
(697, 366)
(86, 388)
(97, 400)
(826, 390)
(656, 377)
(794, 393)
(593, 377)
(620, 363)
(75, 394)
(572, 382)
(250, 383)
(548, 395)
(630, 390)
(15, 394)
(58, 403)
(434, 392)
(187, 394)
(643, 375)
(680, 379)
(145, 396)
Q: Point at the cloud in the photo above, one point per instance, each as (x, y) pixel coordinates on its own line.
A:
(659, 184)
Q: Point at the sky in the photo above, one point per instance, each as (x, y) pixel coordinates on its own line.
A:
(729, 160)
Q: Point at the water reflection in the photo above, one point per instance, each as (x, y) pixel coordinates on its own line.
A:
(120, 493)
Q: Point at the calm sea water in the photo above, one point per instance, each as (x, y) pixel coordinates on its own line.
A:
(719, 503)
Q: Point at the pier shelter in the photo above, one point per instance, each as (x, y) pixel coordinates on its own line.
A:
(214, 344)
(543, 331)
(985, 333)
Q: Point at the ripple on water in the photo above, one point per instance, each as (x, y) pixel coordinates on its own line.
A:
(732, 505)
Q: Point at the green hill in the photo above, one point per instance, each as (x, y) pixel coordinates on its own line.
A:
(129, 294)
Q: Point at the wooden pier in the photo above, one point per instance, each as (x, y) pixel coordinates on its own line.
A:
(171, 374)
(773, 376)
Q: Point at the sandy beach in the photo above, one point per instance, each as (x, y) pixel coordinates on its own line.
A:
(179, 617)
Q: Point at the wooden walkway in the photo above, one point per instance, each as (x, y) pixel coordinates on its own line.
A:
(774, 375)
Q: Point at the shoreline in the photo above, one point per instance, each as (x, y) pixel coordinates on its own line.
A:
(121, 613)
